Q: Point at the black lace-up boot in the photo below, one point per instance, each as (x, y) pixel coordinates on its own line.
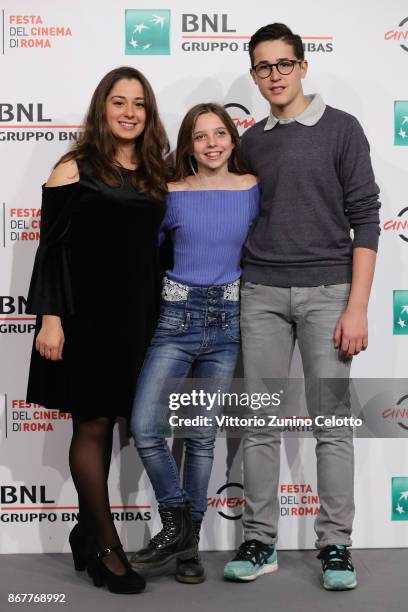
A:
(176, 540)
(191, 571)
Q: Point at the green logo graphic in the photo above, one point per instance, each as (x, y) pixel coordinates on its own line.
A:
(399, 499)
(147, 32)
(400, 312)
(401, 123)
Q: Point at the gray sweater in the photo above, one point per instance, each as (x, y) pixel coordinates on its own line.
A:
(316, 183)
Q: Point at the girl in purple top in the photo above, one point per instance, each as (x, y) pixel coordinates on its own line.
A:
(210, 205)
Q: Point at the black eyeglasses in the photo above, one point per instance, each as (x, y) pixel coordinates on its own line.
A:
(284, 67)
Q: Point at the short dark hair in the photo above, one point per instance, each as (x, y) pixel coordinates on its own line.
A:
(276, 31)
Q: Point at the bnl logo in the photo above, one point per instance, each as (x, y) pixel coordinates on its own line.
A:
(147, 32)
(400, 308)
(400, 499)
(401, 123)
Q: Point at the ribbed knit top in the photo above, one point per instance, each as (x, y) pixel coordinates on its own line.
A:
(317, 184)
(208, 230)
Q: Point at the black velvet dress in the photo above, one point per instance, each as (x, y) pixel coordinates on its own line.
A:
(97, 267)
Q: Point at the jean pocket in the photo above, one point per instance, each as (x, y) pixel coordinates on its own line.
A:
(232, 328)
(171, 324)
(336, 292)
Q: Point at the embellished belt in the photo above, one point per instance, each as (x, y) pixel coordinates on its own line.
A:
(177, 292)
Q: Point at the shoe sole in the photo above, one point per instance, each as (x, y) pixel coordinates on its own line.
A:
(340, 588)
(129, 592)
(268, 568)
(186, 580)
(184, 555)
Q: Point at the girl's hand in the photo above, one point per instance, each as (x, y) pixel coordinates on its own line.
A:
(50, 340)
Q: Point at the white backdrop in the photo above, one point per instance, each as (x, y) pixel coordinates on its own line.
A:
(52, 56)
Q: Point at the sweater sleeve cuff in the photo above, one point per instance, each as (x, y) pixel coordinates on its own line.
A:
(366, 237)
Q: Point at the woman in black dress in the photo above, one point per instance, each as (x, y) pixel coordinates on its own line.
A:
(96, 289)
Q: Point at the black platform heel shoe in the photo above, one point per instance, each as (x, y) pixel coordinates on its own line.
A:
(128, 583)
(79, 547)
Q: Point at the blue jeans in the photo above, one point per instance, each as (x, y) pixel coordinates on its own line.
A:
(198, 330)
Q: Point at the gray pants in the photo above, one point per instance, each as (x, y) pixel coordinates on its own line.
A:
(272, 319)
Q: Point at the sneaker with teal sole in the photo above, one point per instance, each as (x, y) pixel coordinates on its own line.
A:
(253, 559)
(338, 570)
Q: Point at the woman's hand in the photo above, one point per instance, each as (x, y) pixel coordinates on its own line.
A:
(50, 340)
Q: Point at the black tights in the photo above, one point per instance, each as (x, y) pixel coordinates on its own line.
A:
(89, 459)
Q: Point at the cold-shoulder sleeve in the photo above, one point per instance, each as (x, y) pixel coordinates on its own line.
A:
(50, 289)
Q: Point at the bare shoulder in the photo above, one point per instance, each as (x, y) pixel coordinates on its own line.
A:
(64, 174)
(178, 186)
(248, 180)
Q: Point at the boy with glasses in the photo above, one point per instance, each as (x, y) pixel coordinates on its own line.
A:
(305, 279)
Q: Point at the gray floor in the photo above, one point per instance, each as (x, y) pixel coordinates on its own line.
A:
(294, 587)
